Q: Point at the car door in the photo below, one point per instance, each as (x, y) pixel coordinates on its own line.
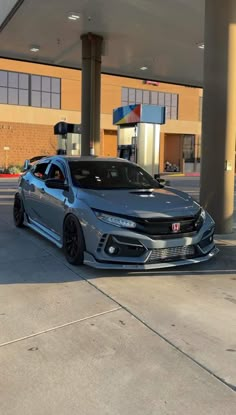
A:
(55, 199)
(34, 183)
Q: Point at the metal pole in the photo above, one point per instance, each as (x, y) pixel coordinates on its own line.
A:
(91, 91)
(219, 113)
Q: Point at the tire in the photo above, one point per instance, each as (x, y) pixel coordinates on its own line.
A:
(18, 211)
(73, 240)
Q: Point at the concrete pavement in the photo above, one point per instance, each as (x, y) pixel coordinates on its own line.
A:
(78, 341)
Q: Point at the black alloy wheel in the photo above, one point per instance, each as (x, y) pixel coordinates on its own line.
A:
(18, 211)
(73, 240)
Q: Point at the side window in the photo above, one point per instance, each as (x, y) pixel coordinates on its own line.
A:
(39, 170)
(136, 176)
(56, 172)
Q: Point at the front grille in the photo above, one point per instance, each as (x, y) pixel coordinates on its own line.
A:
(163, 226)
(168, 254)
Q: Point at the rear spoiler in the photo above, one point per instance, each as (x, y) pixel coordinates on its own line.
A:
(28, 163)
(36, 158)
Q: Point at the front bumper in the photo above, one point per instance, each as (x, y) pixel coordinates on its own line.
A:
(124, 249)
(90, 261)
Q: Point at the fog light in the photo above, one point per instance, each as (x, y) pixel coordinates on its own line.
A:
(112, 250)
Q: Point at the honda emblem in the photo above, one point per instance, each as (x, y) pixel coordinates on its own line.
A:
(175, 227)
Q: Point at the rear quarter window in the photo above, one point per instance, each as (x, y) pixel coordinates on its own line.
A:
(39, 170)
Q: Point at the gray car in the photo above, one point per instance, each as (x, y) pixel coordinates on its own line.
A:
(110, 213)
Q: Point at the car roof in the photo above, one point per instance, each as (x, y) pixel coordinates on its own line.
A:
(91, 158)
(83, 158)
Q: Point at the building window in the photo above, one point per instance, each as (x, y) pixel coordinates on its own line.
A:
(143, 96)
(30, 90)
(45, 92)
(14, 88)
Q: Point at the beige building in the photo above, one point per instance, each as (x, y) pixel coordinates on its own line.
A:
(34, 97)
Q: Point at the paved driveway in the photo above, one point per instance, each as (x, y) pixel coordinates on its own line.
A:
(78, 341)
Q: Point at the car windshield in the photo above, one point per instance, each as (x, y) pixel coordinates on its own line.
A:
(110, 175)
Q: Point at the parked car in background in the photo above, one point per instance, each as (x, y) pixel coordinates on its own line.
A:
(110, 213)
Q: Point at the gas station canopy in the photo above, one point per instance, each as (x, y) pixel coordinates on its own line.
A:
(148, 39)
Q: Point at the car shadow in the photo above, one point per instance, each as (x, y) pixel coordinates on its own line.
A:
(50, 269)
(223, 264)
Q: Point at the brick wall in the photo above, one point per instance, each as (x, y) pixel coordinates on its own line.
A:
(25, 141)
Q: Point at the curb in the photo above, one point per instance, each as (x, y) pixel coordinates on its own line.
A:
(174, 175)
(8, 176)
(181, 175)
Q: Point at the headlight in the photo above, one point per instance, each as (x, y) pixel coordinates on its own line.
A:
(201, 219)
(115, 220)
(203, 214)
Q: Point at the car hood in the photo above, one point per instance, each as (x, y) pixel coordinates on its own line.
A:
(141, 203)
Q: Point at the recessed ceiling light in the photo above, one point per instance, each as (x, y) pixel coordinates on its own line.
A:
(143, 68)
(201, 45)
(73, 16)
(34, 49)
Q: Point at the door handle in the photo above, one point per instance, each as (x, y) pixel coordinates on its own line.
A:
(42, 190)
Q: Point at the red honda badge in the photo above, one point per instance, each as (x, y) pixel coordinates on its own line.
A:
(175, 227)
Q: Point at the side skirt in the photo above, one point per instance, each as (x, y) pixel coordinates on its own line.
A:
(45, 232)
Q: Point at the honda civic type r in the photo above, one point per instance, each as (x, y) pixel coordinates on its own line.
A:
(110, 213)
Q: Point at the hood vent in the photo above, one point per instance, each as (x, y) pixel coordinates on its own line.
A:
(142, 192)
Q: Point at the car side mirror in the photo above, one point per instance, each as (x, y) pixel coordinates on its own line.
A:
(161, 181)
(157, 177)
(56, 184)
(27, 165)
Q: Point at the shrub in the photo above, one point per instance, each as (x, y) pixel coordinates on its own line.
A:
(12, 170)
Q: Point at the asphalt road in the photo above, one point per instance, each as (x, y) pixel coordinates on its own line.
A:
(190, 185)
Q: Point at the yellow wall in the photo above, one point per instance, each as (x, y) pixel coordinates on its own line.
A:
(38, 69)
(110, 97)
(32, 115)
(181, 127)
(70, 95)
(70, 80)
(188, 104)
(188, 97)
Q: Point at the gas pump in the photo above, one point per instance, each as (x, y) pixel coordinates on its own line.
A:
(68, 138)
(129, 151)
(139, 134)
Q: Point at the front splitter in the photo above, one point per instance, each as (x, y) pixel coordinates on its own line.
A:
(90, 261)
